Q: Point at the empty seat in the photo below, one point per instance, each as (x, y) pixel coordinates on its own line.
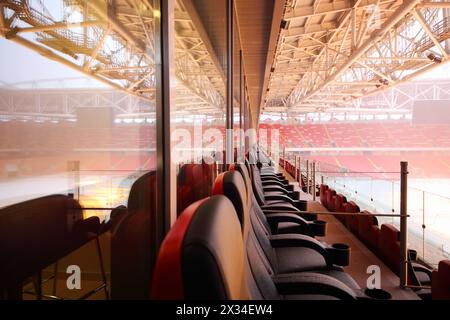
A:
(368, 230)
(194, 182)
(273, 200)
(138, 224)
(330, 199)
(323, 194)
(339, 205)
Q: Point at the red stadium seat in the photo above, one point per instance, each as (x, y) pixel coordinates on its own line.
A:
(330, 199)
(323, 194)
(351, 222)
(389, 247)
(195, 182)
(339, 205)
(128, 256)
(440, 284)
(368, 230)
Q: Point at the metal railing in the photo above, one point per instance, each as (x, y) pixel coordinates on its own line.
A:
(380, 192)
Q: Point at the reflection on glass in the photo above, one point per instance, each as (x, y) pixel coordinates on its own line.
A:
(81, 124)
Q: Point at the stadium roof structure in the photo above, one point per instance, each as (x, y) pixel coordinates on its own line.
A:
(333, 54)
(308, 56)
(117, 46)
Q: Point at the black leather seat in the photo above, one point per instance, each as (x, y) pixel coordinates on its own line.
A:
(275, 202)
(206, 256)
(287, 253)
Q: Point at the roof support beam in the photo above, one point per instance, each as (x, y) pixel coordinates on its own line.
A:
(53, 56)
(429, 4)
(3, 25)
(103, 11)
(329, 8)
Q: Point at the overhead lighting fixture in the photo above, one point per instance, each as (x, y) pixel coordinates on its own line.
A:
(434, 58)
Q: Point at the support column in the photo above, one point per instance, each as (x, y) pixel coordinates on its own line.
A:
(299, 178)
(404, 224)
(314, 180)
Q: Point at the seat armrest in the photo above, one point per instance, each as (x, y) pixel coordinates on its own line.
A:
(279, 197)
(312, 283)
(271, 173)
(286, 217)
(274, 179)
(274, 186)
(270, 182)
(300, 240)
(282, 207)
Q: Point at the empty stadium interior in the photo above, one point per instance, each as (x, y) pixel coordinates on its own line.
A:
(226, 149)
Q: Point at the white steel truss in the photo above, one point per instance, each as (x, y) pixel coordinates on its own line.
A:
(113, 42)
(334, 53)
(396, 100)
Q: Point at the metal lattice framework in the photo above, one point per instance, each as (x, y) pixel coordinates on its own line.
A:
(333, 53)
(402, 97)
(114, 42)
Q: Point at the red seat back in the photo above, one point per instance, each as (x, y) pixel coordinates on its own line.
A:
(339, 205)
(195, 182)
(330, 199)
(202, 256)
(389, 247)
(132, 262)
